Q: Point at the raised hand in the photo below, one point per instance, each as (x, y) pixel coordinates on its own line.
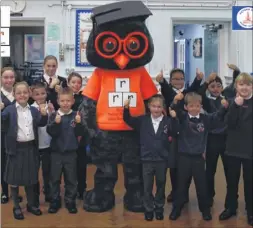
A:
(42, 109)
(55, 81)
(199, 74)
(58, 87)
(224, 103)
(57, 118)
(179, 97)
(232, 66)
(127, 103)
(50, 107)
(173, 114)
(159, 77)
(2, 106)
(239, 100)
(78, 117)
(211, 77)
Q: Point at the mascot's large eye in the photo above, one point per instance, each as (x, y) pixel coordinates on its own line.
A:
(133, 44)
(136, 45)
(108, 44)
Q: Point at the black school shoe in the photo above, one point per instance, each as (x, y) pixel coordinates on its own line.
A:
(149, 216)
(34, 210)
(4, 198)
(54, 207)
(17, 213)
(71, 208)
(250, 220)
(159, 215)
(175, 214)
(206, 215)
(227, 214)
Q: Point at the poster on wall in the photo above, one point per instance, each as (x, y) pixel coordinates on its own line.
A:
(34, 47)
(83, 29)
(197, 48)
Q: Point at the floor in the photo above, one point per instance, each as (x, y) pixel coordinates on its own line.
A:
(119, 218)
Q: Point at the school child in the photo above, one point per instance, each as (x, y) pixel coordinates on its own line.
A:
(39, 95)
(7, 98)
(216, 140)
(239, 148)
(192, 137)
(64, 127)
(169, 91)
(75, 83)
(20, 122)
(52, 80)
(154, 130)
(229, 92)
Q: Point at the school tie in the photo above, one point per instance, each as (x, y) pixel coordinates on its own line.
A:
(50, 80)
(194, 119)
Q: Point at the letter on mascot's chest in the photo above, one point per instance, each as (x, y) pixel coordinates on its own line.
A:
(115, 88)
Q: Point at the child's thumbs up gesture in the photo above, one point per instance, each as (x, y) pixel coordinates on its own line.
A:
(43, 110)
(127, 103)
(199, 75)
(2, 105)
(78, 117)
(173, 114)
(57, 118)
(178, 97)
(50, 107)
(224, 103)
(55, 81)
(159, 77)
(239, 100)
(58, 87)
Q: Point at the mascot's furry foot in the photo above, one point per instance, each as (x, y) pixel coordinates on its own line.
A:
(94, 202)
(133, 202)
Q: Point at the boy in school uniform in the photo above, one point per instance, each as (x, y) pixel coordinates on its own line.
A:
(216, 140)
(239, 148)
(194, 127)
(39, 95)
(154, 130)
(169, 91)
(64, 127)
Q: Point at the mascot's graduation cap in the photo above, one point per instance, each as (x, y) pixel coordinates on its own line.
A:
(119, 11)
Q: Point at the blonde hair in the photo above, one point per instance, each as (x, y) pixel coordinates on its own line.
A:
(244, 78)
(20, 83)
(192, 97)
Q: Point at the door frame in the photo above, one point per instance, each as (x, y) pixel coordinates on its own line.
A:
(224, 37)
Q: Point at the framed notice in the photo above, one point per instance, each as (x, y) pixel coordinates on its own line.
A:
(34, 47)
(83, 29)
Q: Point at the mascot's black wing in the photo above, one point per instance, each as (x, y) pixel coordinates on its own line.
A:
(87, 111)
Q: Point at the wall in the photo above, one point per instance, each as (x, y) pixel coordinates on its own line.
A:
(160, 26)
(190, 33)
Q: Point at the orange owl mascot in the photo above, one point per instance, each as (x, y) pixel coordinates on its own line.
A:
(119, 46)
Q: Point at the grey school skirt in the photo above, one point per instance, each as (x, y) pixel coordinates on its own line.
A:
(23, 167)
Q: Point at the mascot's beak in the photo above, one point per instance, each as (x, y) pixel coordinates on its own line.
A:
(121, 60)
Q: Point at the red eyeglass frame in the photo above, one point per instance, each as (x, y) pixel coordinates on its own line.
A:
(121, 42)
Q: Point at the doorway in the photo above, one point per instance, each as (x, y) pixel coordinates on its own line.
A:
(196, 45)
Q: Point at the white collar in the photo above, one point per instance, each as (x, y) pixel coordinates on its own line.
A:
(6, 93)
(158, 119)
(249, 97)
(178, 90)
(47, 77)
(62, 113)
(19, 106)
(190, 116)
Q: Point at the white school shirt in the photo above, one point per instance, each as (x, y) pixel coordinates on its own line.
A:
(46, 77)
(44, 137)
(156, 122)
(25, 123)
(9, 95)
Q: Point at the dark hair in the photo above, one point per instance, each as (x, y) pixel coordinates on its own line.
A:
(217, 79)
(74, 74)
(176, 70)
(157, 97)
(65, 91)
(38, 85)
(192, 97)
(49, 57)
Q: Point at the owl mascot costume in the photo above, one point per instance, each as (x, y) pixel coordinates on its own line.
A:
(119, 46)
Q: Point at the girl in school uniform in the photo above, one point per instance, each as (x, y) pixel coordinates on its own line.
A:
(51, 80)
(20, 123)
(7, 98)
(75, 83)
